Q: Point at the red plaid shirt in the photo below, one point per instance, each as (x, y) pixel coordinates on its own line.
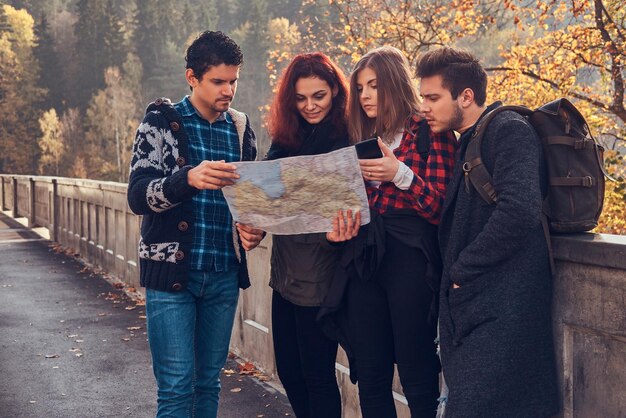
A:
(428, 187)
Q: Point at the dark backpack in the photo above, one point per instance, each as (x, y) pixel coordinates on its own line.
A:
(574, 162)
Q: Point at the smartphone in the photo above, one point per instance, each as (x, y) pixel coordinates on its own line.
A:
(368, 149)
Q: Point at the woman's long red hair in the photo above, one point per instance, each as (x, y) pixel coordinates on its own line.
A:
(283, 120)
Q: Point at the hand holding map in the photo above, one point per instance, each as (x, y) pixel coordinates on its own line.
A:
(298, 195)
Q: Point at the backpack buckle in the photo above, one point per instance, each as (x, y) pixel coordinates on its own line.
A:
(580, 143)
(587, 181)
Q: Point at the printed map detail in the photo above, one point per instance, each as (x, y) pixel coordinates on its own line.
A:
(298, 195)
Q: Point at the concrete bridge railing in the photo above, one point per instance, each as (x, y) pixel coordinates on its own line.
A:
(93, 219)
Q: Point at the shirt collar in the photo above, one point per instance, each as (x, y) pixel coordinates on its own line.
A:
(187, 109)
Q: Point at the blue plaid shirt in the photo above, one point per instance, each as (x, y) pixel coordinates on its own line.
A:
(212, 249)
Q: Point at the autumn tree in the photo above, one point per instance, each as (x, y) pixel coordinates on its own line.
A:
(111, 122)
(573, 49)
(355, 26)
(577, 50)
(284, 42)
(73, 135)
(534, 50)
(19, 93)
(51, 143)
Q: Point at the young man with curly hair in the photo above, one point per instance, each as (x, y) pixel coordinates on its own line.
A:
(192, 255)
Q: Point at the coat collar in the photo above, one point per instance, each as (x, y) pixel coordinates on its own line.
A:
(457, 174)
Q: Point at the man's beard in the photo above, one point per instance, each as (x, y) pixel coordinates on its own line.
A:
(456, 121)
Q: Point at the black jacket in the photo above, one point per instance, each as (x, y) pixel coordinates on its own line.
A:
(302, 265)
(361, 259)
(496, 330)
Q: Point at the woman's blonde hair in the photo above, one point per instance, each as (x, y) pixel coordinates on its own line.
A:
(396, 95)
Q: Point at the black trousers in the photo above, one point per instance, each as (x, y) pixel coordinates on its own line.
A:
(387, 324)
(305, 360)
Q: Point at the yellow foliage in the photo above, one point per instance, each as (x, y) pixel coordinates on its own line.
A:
(553, 49)
(22, 24)
(285, 41)
(51, 143)
(613, 219)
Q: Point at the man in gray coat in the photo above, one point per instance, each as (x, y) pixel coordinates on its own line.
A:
(495, 327)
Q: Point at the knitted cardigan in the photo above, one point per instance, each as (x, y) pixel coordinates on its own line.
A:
(158, 190)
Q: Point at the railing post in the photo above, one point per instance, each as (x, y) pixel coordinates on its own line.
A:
(14, 208)
(31, 202)
(55, 211)
(2, 200)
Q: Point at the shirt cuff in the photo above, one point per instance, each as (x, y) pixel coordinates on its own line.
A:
(404, 177)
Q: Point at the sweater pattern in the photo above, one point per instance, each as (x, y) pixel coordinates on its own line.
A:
(159, 191)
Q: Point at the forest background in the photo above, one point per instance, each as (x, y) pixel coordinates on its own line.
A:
(76, 75)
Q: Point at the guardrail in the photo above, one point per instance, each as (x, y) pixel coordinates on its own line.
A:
(93, 219)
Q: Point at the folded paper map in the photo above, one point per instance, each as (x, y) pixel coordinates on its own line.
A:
(298, 195)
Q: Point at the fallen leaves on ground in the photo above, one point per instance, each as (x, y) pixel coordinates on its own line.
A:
(247, 368)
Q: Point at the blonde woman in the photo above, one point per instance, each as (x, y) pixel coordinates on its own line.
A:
(390, 297)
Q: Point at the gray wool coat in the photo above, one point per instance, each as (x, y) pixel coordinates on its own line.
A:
(495, 330)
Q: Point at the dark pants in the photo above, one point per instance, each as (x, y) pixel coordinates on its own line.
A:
(305, 360)
(388, 322)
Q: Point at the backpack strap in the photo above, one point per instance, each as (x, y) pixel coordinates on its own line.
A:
(473, 167)
(475, 171)
(423, 139)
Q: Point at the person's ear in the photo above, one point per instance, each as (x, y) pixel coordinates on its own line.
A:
(191, 78)
(466, 98)
(335, 91)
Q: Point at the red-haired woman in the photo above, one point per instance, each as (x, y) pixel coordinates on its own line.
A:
(307, 117)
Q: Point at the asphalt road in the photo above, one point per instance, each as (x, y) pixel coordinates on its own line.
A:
(72, 345)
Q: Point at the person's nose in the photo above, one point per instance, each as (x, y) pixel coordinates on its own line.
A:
(310, 104)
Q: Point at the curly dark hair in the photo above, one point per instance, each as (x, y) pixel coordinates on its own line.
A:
(209, 49)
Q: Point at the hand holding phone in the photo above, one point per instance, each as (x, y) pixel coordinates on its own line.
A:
(368, 149)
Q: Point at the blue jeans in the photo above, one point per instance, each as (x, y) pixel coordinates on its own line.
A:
(189, 334)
